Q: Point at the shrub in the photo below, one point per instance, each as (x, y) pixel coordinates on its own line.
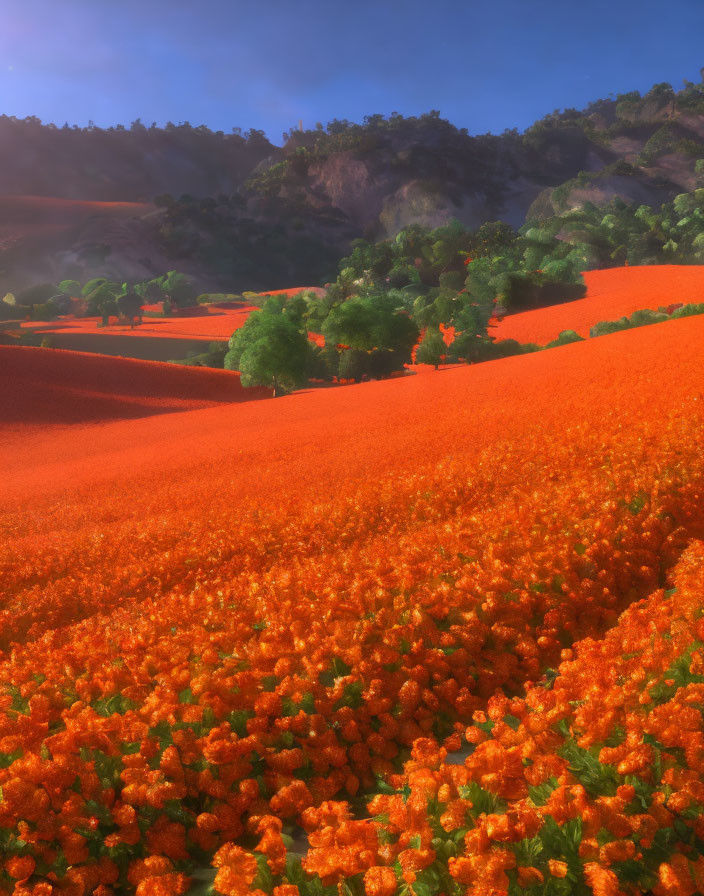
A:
(688, 310)
(565, 338)
(605, 327)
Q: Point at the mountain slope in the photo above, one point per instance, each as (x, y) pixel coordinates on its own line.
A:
(306, 201)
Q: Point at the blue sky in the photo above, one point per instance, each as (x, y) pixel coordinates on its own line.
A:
(485, 65)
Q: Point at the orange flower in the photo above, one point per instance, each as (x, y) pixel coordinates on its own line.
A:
(528, 876)
(379, 881)
(230, 882)
(602, 881)
(20, 867)
(237, 860)
(164, 885)
(557, 869)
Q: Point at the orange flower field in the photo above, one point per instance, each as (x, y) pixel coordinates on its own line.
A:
(450, 626)
(611, 293)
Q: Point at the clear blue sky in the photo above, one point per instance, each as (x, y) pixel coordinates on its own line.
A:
(485, 64)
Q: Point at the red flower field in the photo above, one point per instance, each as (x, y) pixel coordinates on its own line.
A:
(611, 293)
(48, 387)
(239, 617)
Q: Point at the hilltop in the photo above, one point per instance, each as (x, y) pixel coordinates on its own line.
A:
(240, 208)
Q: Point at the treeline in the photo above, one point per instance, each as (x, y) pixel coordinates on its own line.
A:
(101, 297)
(125, 163)
(619, 234)
(646, 317)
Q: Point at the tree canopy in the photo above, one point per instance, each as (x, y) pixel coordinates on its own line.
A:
(269, 350)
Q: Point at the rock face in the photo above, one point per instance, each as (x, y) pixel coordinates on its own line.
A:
(428, 172)
(321, 190)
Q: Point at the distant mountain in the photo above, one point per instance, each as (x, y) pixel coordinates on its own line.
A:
(124, 165)
(237, 210)
(386, 174)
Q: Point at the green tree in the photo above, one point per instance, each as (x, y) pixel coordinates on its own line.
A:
(270, 351)
(179, 288)
(102, 301)
(373, 322)
(70, 287)
(432, 349)
(353, 364)
(350, 323)
(92, 285)
(129, 304)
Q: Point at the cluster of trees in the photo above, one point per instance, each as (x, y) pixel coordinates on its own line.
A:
(618, 233)
(427, 148)
(366, 337)
(645, 318)
(389, 294)
(103, 297)
(125, 163)
(422, 282)
(44, 301)
(608, 118)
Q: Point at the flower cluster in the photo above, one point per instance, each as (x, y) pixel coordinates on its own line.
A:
(593, 780)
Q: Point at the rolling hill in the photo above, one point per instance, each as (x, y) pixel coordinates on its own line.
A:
(611, 294)
(448, 624)
(43, 387)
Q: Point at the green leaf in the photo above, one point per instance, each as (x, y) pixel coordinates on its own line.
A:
(482, 801)
(186, 696)
(541, 792)
(597, 779)
(351, 696)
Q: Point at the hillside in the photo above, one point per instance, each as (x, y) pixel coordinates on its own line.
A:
(42, 237)
(231, 203)
(511, 393)
(123, 164)
(43, 387)
(223, 618)
(611, 294)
